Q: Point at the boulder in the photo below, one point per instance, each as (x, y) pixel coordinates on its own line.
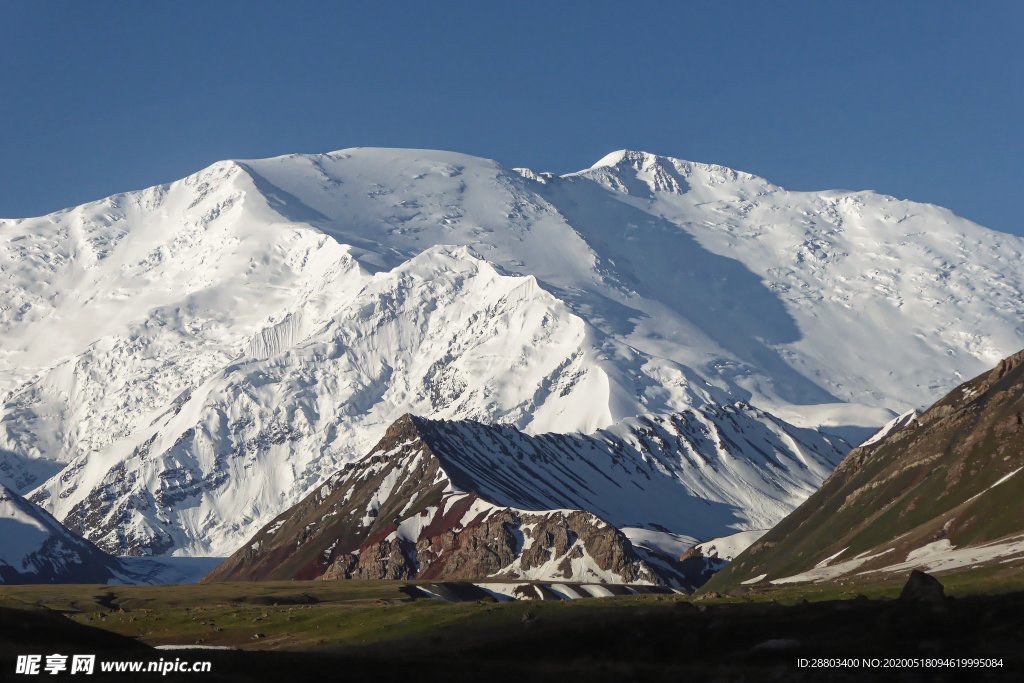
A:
(922, 587)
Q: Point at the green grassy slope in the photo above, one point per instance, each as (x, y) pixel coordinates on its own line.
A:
(930, 481)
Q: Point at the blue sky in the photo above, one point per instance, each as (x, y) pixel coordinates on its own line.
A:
(922, 100)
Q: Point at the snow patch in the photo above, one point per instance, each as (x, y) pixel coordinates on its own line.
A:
(827, 573)
(728, 547)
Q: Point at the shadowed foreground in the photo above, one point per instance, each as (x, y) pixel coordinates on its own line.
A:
(376, 631)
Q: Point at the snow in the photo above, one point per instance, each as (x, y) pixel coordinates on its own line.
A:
(569, 592)
(198, 356)
(431, 593)
(1002, 480)
(829, 572)
(502, 591)
(671, 544)
(580, 569)
(36, 548)
(941, 555)
(575, 565)
(23, 531)
(1005, 479)
(827, 560)
(754, 579)
(728, 547)
(665, 481)
(477, 509)
(411, 528)
(897, 422)
(940, 547)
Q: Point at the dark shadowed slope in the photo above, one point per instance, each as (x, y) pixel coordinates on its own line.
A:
(36, 548)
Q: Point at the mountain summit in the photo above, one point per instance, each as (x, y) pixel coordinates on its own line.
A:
(181, 364)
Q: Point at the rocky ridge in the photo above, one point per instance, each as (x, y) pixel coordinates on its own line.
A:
(462, 500)
(417, 523)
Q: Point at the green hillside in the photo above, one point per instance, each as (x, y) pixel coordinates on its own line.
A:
(943, 493)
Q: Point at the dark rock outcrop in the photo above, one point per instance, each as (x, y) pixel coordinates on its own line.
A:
(922, 587)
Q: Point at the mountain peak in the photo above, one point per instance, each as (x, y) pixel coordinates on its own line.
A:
(36, 548)
(623, 156)
(464, 500)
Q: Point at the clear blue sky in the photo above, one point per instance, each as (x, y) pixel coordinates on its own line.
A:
(923, 100)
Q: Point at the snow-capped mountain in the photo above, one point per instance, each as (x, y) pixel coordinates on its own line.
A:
(179, 365)
(35, 548)
(463, 500)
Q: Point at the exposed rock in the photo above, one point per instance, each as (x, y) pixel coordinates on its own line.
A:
(699, 566)
(526, 592)
(922, 587)
(401, 514)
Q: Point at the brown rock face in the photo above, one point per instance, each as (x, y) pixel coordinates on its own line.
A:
(397, 514)
(490, 544)
(385, 560)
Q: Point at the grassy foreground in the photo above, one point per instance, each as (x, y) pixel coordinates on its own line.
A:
(376, 631)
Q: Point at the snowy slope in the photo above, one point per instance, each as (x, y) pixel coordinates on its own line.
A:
(198, 355)
(884, 299)
(728, 547)
(700, 473)
(35, 548)
(892, 426)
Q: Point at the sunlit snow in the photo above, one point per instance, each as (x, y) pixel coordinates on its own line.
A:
(197, 356)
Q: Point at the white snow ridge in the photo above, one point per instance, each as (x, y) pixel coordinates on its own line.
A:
(181, 364)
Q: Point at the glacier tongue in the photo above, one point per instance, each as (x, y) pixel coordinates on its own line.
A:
(199, 355)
